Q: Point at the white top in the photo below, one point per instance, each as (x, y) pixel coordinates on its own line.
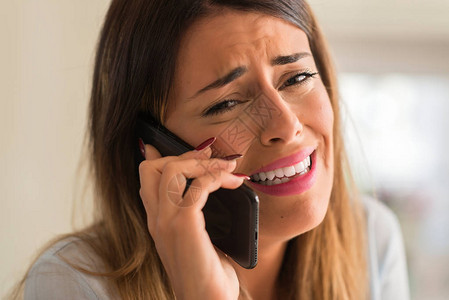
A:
(52, 278)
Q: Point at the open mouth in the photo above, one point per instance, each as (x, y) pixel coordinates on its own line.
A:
(283, 175)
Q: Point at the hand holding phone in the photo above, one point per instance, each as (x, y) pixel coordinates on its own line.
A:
(231, 215)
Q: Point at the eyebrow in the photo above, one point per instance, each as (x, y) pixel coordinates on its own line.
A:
(239, 71)
(288, 59)
(228, 78)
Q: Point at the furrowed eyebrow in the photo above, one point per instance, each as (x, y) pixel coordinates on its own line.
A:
(288, 59)
(220, 82)
(239, 71)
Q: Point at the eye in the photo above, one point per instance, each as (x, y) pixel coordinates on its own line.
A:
(221, 107)
(298, 79)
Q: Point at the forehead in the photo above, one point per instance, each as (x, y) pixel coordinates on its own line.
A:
(217, 44)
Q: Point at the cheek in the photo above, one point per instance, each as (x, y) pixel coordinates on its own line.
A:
(322, 125)
(188, 131)
(327, 122)
(317, 116)
(233, 136)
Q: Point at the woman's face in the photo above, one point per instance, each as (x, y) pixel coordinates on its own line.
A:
(251, 81)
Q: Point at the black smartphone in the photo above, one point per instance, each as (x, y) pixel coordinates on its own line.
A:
(231, 216)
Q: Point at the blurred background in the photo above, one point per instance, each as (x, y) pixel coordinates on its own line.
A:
(393, 61)
(392, 58)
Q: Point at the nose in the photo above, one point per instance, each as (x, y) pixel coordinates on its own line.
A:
(279, 124)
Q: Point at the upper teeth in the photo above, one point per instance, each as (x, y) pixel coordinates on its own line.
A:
(283, 172)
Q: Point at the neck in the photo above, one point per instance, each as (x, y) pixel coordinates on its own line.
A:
(260, 282)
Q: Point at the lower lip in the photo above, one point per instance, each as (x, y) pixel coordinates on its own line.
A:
(297, 185)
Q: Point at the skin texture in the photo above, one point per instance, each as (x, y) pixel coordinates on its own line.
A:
(301, 117)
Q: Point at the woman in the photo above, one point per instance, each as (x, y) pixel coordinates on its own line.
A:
(208, 70)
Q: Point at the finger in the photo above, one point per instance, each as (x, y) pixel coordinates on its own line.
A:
(150, 170)
(149, 186)
(201, 187)
(173, 179)
(151, 153)
(193, 168)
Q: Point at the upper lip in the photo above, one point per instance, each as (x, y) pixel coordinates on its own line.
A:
(286, 161)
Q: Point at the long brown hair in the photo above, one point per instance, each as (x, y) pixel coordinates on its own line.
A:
(134, 68)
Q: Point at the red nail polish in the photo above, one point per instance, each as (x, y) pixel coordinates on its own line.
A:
(142, 147)
(206, 144)
(241, 176)
(232, 157)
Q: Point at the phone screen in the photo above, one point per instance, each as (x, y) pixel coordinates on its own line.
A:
(231, 216)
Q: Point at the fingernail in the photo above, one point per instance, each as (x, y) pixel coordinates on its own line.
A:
(241, 176)
(142, 147)
(232, 157)
(206, 144)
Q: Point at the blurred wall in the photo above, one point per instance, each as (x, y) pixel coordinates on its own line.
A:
(46, 53)
(393, 63)
(387, 36)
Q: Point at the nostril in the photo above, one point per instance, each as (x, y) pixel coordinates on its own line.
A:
(275, 139)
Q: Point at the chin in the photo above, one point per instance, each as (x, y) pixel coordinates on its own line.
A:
(295, 216)
(312, 215)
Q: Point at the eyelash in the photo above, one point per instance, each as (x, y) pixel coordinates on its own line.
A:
(223, 107)
(307, 76)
